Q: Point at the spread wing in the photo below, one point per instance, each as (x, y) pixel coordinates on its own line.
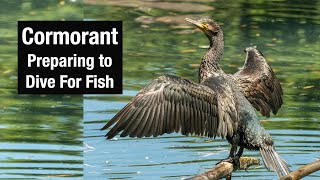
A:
(172, 104)
(259, 84)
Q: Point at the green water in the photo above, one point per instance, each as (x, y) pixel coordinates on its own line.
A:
(157, 41)
(41, 135)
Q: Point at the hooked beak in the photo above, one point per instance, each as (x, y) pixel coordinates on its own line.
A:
(200, 25)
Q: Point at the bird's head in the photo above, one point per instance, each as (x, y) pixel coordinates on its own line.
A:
(210, 27)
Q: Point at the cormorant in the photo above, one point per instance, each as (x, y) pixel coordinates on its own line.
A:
(215, 107)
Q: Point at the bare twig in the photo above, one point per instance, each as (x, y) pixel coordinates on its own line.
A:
(303, 171)
(225, 169)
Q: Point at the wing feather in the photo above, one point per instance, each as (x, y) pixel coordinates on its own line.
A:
(171, 104)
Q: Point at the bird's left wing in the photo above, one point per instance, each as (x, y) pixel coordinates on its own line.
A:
(172, 104)
(259, 84)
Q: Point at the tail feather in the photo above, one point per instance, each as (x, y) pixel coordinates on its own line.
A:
(273, 161)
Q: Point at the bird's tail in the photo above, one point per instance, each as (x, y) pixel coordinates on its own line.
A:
(273, 161)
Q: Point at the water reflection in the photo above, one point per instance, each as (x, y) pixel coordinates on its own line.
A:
(41, 135)
(287, 32)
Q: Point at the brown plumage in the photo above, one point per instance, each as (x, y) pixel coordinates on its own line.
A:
(259, 84)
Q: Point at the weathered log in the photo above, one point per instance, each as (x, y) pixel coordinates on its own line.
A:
(224, 169)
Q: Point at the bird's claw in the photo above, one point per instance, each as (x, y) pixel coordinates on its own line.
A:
(235, 161)
(229, 160)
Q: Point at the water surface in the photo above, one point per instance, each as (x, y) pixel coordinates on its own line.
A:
(157, 41)
(41, 135)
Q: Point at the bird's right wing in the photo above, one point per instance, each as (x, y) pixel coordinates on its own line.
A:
(259, 84)
(172, 104)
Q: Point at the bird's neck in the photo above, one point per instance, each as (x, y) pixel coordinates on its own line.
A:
(209, 65)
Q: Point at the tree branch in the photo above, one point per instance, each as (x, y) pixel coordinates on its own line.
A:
(225, 169)
(303, 171)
